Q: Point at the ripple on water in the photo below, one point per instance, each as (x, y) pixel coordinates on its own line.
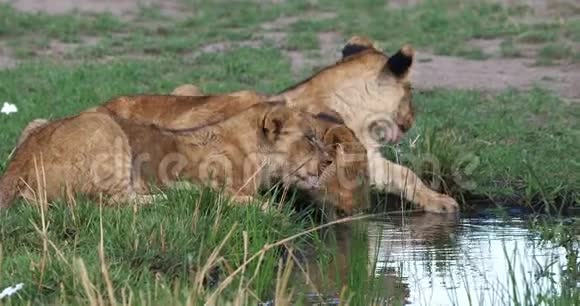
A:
(447, 261)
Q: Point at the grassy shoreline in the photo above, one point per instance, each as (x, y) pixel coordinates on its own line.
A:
(186, 249)
(444, 132)
(195, 236)
(505, 147)
(514, 147)
(510, 146)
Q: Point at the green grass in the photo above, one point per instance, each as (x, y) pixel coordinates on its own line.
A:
(302, 41)
(563, 233)
(508, 146)
(573, 30)
(67, 28)
(26, 33)
(516, 138)
(537, 36)
(442, 26)
(509, 49)
(555, 52)
(514, 145)
(162, 246)
(32, 85)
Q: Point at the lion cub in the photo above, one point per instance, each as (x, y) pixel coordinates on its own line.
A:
(344, 175)
(344, 179)
(97, 153)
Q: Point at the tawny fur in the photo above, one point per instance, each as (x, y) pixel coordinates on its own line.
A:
(343, 178)
(94, 153)
(344, 181)
(366, 88)
(177, 112)
(88, 153)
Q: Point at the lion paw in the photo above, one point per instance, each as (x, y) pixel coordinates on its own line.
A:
(440, 203)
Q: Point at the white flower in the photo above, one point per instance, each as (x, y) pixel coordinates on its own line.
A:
(8, 108)
(10, 290)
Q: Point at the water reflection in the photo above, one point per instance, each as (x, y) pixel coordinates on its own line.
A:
(451, 261)
(328, 275)
(430, 259)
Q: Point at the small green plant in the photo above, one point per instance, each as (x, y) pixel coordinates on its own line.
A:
(555, 52)
(509, 49)
(195, 235)
(302, 41)
(537, 36)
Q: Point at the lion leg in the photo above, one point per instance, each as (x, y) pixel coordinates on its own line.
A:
(397, 179)
(187, 90)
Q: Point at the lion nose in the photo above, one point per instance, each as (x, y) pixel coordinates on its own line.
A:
(313, 181)
(404, 121)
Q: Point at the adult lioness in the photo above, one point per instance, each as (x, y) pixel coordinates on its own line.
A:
(372, 93)
(91, 153)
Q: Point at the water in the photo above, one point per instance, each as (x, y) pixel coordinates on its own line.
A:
(450, 261)
(429, 259)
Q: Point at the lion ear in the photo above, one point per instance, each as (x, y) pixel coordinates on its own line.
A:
(355, 45)
(400, 63)
(336, 136)
(274, 121)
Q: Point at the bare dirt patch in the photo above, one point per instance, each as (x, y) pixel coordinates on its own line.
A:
(434, 71)
(121, 8)
(489, 47)
(299, 62)
(6, 61)
(59, 49)
(275, 32)
(492, 75)
(397, 4)
(223, 47)
(280, 23)
(283, 22)
(277, 38)
(330, 44)
(549, 8)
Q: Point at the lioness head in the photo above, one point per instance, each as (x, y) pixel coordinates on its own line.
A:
(295, 150)
(369, 89)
